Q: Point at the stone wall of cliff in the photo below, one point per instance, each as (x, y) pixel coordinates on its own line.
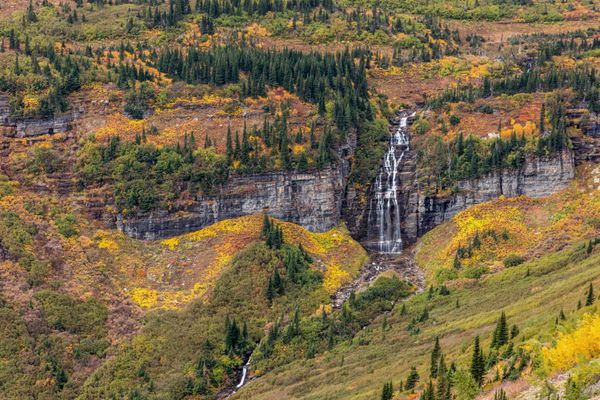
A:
(312, 200)
(539, 177)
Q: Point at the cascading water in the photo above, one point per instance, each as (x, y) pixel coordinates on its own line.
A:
(384, 233)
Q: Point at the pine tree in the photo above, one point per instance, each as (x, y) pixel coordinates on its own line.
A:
(590, 296)
(387, 392)
(266, 227)
(412, 380)
(229, 147)
(443, 382)
(428, 393)
(542, 119)
(435, 358)
(269, 293)
(456, 263)
(514, 331)
(403, 309)
(477, 363)
(500, 337)
(561, 315)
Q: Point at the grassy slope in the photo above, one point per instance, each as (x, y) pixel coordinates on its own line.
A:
(354, 371)
(532, 294)
(532, 227)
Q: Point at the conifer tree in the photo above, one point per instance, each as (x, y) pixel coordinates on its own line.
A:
(412, 380)
(500, 337)
(443, 382)
(387, 392)
(590, 296)
(435, 358)
(477, 363)
(403, 309)
(428, 393)
(456, 263)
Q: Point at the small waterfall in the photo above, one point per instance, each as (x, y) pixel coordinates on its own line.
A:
(384, 233)
(244, 374)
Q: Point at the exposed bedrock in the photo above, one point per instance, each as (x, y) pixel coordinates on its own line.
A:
(312, 200)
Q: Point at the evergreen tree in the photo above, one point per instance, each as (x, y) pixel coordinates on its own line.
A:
(428, 393)
(561, 315)
(229, 146)
(590, 295)
(456, 263)
(500, 337)
(443, 382)
(514, 331)
(387, 392)
(412, 380)
(477, 363)
(435, 358)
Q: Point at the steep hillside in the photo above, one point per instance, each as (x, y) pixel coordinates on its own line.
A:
(74, 293)
(544, 294)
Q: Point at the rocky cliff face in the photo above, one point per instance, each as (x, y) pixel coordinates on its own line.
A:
(32, 127)
(539, 177)
(419, 212)
(312, 200)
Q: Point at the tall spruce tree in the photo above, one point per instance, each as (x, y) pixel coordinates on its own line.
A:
(435, 358)
(500, 337)
(477, 363)
(590, 296)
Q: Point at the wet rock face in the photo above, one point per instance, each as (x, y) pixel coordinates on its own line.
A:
(312, 200)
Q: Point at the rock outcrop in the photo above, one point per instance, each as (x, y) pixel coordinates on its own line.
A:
(312, 200)
(539, 177)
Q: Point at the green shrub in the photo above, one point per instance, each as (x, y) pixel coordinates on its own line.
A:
(445, 274)
(475, 272)
(64, 313)
(513, 260)
(66, 225)
(42, 159)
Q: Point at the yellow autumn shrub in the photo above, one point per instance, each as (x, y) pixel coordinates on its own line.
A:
(108, 244)
(583, 344)
(144, 297)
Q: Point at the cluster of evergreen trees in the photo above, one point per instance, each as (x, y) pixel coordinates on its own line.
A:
(472, 157)
(295, 261)
(216, 8)
(60, 77)
(144, 176)
(314, 76)
(236, 339)
(249, 155)
(319, 333)
(443, 378)
(272, 233)
(474, 244)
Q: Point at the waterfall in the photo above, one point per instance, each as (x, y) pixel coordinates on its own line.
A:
(384, 233)
(244, 374)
